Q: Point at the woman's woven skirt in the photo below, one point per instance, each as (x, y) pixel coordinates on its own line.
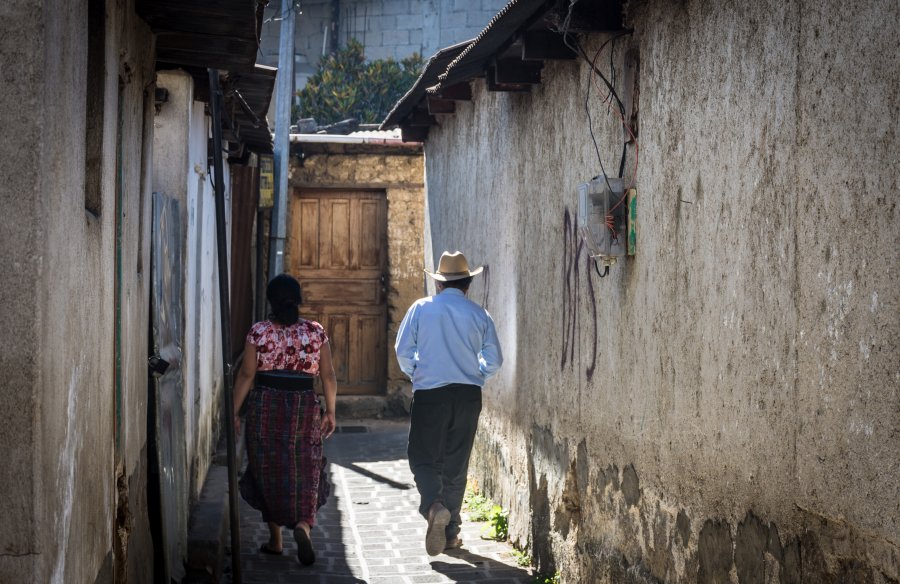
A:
(284, 455)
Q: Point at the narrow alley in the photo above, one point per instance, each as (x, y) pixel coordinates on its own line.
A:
(369, 531)
(629, 268)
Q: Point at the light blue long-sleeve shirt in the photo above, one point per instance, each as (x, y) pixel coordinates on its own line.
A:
(446, 339)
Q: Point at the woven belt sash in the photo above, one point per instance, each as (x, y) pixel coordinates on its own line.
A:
(286, 380)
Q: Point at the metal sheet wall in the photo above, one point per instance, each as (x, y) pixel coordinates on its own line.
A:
(169, 422)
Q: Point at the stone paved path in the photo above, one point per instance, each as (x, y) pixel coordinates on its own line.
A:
(370, 532)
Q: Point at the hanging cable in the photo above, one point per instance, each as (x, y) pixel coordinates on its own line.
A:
(605, 270)
(594, 70)
(612, 102)
(634, 140)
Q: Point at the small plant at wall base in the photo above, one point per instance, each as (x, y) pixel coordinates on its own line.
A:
(546, 579)
(345, 85)
(480, 509)
(498, 524)
(476, 505)
(523, 560)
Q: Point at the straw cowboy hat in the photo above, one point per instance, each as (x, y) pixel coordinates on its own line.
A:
(453, 266)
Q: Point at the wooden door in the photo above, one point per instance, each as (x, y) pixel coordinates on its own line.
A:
(338, 244)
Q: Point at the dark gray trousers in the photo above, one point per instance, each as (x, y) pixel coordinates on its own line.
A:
(442, 429)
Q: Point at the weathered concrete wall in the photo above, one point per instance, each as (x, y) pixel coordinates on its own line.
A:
(204, 348)
(724, 406)
(70, 424)
(21, 43)
(399, 173)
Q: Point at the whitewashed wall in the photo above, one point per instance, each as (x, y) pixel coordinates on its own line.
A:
(181, 171)
(724, 406)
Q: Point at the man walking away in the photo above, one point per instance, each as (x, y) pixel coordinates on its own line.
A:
(448, 346)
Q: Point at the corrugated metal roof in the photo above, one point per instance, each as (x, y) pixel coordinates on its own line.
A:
(255, 89)
(370, 137)
(198, 35)
(498, 38)
(435, 66)
(221, 34)
(495, 37)
(466, 60)
(391, 134)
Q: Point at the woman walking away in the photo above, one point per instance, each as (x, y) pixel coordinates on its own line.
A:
(285, 425)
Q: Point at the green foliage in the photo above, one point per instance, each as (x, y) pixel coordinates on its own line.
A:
(522, 558)
(476, 506)
(346, 86)
(546, 579)
(479, 508)
(498, 524)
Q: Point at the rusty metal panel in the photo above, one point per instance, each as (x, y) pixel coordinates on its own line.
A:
(244, 198)
(168, 407)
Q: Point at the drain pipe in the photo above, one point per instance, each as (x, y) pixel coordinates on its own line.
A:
(215, 111)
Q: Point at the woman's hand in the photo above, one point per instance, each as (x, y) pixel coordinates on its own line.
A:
(237, 425)
(328, 424)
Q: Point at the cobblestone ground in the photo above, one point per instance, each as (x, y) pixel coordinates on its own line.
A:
(369, 532)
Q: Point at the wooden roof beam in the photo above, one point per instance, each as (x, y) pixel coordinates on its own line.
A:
(420, 117)
(413, 133)
(593, 15)
(458, 92)
(437, 105)
(514, 71)
(493, 85)
(545, 45)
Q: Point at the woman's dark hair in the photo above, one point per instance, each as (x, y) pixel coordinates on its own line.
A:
(284, 297)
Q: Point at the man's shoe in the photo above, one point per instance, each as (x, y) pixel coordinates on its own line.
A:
(435, 537)
(453, 543)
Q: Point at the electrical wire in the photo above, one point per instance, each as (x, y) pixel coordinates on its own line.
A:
(612, 78)
(636, 147)
(587, 111)
(617, 106)
(612, 92)
(593, 64)
(620, 112)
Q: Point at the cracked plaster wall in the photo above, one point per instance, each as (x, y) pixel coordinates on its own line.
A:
(724, 406)
(58, 409)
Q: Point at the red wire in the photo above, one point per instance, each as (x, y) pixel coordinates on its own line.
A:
(606, 100)
(636, 156)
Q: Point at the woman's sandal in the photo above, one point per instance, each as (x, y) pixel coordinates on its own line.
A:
(265, 549)
(305, 552)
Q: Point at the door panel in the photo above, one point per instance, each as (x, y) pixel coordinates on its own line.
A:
(338, 253)
(370, 250)
(369, 349)
(338, 328)
(364, 292)
(308, 256)
(339, 244)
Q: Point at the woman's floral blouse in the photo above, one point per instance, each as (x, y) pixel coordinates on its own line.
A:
(294, 347)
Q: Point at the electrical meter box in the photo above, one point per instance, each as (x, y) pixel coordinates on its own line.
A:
(602, 218)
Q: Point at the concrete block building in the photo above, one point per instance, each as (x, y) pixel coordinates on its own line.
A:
(386, 28)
